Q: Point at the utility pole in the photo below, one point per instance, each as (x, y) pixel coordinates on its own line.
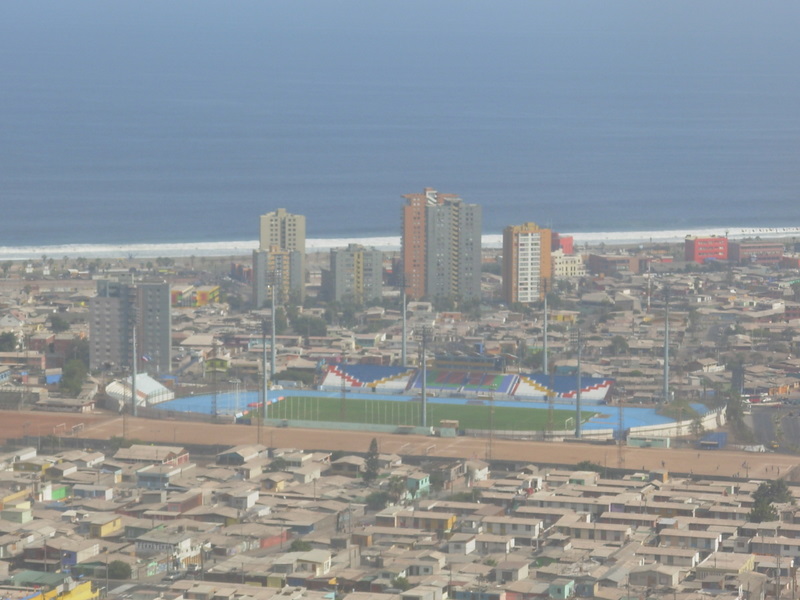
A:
(544, 340)
(273, 347)
(424, 402)
(133, 368)
(403, 357)
(580, 385)
(666, 344)
(343, 395)
(265, 374)
(620, 437)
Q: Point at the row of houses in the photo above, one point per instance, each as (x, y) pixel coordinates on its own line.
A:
(276, 521)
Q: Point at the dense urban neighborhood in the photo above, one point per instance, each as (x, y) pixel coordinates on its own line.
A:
(691, 348)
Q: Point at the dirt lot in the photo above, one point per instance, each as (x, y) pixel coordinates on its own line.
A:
(100, 426)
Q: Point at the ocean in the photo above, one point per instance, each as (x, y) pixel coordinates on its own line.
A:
(148, 129)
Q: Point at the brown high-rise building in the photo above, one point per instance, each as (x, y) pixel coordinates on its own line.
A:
(527, 264)
(441, 246)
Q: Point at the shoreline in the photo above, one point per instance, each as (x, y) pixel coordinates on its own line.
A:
(387, 243)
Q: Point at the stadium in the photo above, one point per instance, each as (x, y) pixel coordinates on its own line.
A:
(531, 387)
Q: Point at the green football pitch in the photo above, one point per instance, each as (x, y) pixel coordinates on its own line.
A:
(387, 412)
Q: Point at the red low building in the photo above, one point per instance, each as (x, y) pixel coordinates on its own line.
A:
(702, 249)
(756, 252)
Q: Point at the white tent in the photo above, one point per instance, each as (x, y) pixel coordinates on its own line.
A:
(148, 391)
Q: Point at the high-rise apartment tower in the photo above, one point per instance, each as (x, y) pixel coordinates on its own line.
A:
(281, 256)
(527, 264)
(356, 274)
(117, 308)
(441, 246)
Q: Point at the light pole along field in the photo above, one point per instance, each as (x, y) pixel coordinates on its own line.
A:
(408, 413)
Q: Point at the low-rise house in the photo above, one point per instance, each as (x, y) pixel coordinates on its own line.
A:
(524, 530)
(159, 476)
(608, 533)
(155, 455)
(418, 484)
(177, 544)
(678, 557)
(441, 523)
(655, 575)
(706, 542)
(776, 546)
(81, 490)
(725, 563)
(510, 570)
(102, 525)
(462, 543)
(350, 466)
(239, 455)
(487, 543)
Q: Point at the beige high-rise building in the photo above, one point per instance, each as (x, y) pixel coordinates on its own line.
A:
(282, 230)
(281, 255)
(527, 266)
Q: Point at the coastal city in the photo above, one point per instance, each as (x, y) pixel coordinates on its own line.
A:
(543, 419)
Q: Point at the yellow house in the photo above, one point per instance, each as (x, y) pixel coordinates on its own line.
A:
(37, 465)
(12, 497)
(103, 525)
(54, 586)
(440, 522)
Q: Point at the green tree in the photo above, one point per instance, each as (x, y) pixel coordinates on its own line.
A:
(372, 466)
(774, 491)
(310, 326)
(72, 377)
(762, 512)
(278, 464)
(6, 267)
(619, 345)
(396, 488)
(58, 324)
(587, 465)
(768, 493)
(377, 500)
(79, 348)
(118, 569)
(299, 546)
(8, 341)
(401, 583)
(281, 322)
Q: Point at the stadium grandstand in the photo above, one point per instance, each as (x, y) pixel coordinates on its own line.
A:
(464, 383)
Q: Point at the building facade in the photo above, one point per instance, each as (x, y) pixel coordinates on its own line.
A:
(283, 268)
(441, 246)
(756, 252)
(703, 249)
(527, 264)
(115, 311)
(280, 230)
(356, 274)
(567, 266)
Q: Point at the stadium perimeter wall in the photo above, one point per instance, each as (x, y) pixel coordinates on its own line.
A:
(331, 425)
(710, 421)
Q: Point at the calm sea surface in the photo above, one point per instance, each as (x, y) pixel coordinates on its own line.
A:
(128, 122)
